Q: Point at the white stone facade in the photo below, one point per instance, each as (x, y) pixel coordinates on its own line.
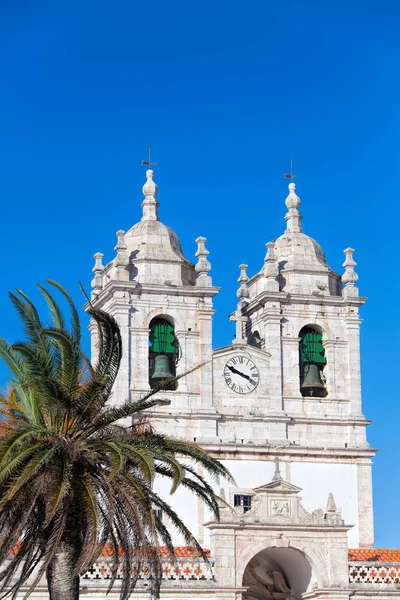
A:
(320, 442)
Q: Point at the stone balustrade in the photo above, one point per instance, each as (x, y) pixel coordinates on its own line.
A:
(365, 573)
(178, 570)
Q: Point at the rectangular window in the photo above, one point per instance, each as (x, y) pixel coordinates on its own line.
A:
(242, 500)
(158, 513)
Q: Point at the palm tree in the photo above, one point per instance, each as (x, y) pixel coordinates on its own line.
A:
(72, 478)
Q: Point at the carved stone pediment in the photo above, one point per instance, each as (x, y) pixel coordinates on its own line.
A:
(282, 487)
(279, 503)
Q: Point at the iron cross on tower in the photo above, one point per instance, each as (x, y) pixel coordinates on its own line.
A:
(290, 176)
(148, 162)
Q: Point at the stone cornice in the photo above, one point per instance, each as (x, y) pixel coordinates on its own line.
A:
(275, 418)
(286, 298)
(287, 527)
(244, 451)
(240, 348)
(136, 288)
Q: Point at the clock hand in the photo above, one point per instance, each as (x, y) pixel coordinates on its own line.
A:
(233, 370)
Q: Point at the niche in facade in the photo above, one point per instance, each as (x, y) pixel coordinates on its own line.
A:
(312, 363)
(163, 354)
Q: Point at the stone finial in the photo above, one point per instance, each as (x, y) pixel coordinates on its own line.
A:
(98, 265)
(349, 278)
(293, 217)
(97, 270)
(203, 266)
(243, 292)
(333, 515)
(271, 269)
(331, 506)
(121, 261)
(150, 204)
(277, 475)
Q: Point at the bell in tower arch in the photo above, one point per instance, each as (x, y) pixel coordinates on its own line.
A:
(162, 353)
(312, 361)
(161, 367)
(312, 384)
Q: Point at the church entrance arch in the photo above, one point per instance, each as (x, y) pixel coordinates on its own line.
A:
(277, 573)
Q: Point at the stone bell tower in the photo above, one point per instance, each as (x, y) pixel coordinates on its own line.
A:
(151, 287)
(295, 290)
(307, 318)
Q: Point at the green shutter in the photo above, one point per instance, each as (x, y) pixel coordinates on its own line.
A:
(312, 350)
(162, 338)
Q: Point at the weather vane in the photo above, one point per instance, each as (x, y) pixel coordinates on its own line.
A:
(290, 176)
(148, 162)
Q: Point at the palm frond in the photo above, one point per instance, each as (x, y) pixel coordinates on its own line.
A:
(72, 477)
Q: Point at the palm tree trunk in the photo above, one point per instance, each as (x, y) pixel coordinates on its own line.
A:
(62, 583)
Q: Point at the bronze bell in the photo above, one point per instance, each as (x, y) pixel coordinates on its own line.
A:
(161, 367)
(312, 384)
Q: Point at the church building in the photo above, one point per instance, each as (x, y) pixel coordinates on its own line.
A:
(281, 406)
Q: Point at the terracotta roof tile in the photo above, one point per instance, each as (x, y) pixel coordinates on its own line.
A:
(375, 554)
(180, 551)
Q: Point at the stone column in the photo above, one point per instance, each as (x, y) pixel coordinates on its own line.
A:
(205, 356)
(291, 367)
(272, 336)
(365, 505)
(330, 368)
(223, 550)
(354, 371)
(183, 365)
(120, 310)
(94, 340)
(139, 358)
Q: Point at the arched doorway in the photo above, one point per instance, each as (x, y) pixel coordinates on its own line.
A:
(278, 573)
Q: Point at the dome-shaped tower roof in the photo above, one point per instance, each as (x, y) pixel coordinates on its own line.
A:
(302, 264)
(153, 248)
(294, 249)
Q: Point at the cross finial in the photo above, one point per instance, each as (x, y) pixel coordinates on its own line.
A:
(290, 175)
(277, 475)
(148, 162)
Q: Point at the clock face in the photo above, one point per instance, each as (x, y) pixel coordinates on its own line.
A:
(241, 374)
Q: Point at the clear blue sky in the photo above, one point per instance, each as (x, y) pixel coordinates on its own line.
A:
(226, 91)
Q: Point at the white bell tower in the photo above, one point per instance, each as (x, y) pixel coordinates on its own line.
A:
(151, 281)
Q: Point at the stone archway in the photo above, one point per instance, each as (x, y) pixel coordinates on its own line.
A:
(277, 573)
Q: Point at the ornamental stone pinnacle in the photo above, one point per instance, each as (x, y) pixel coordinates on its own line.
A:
(98, 265)
(331, 506)
(277, 475)
(271, 269)
(97, 270)
(150, 204)
(350, 277)
(243, 292)
(121, 261)
(203, 266)
(293, 217)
